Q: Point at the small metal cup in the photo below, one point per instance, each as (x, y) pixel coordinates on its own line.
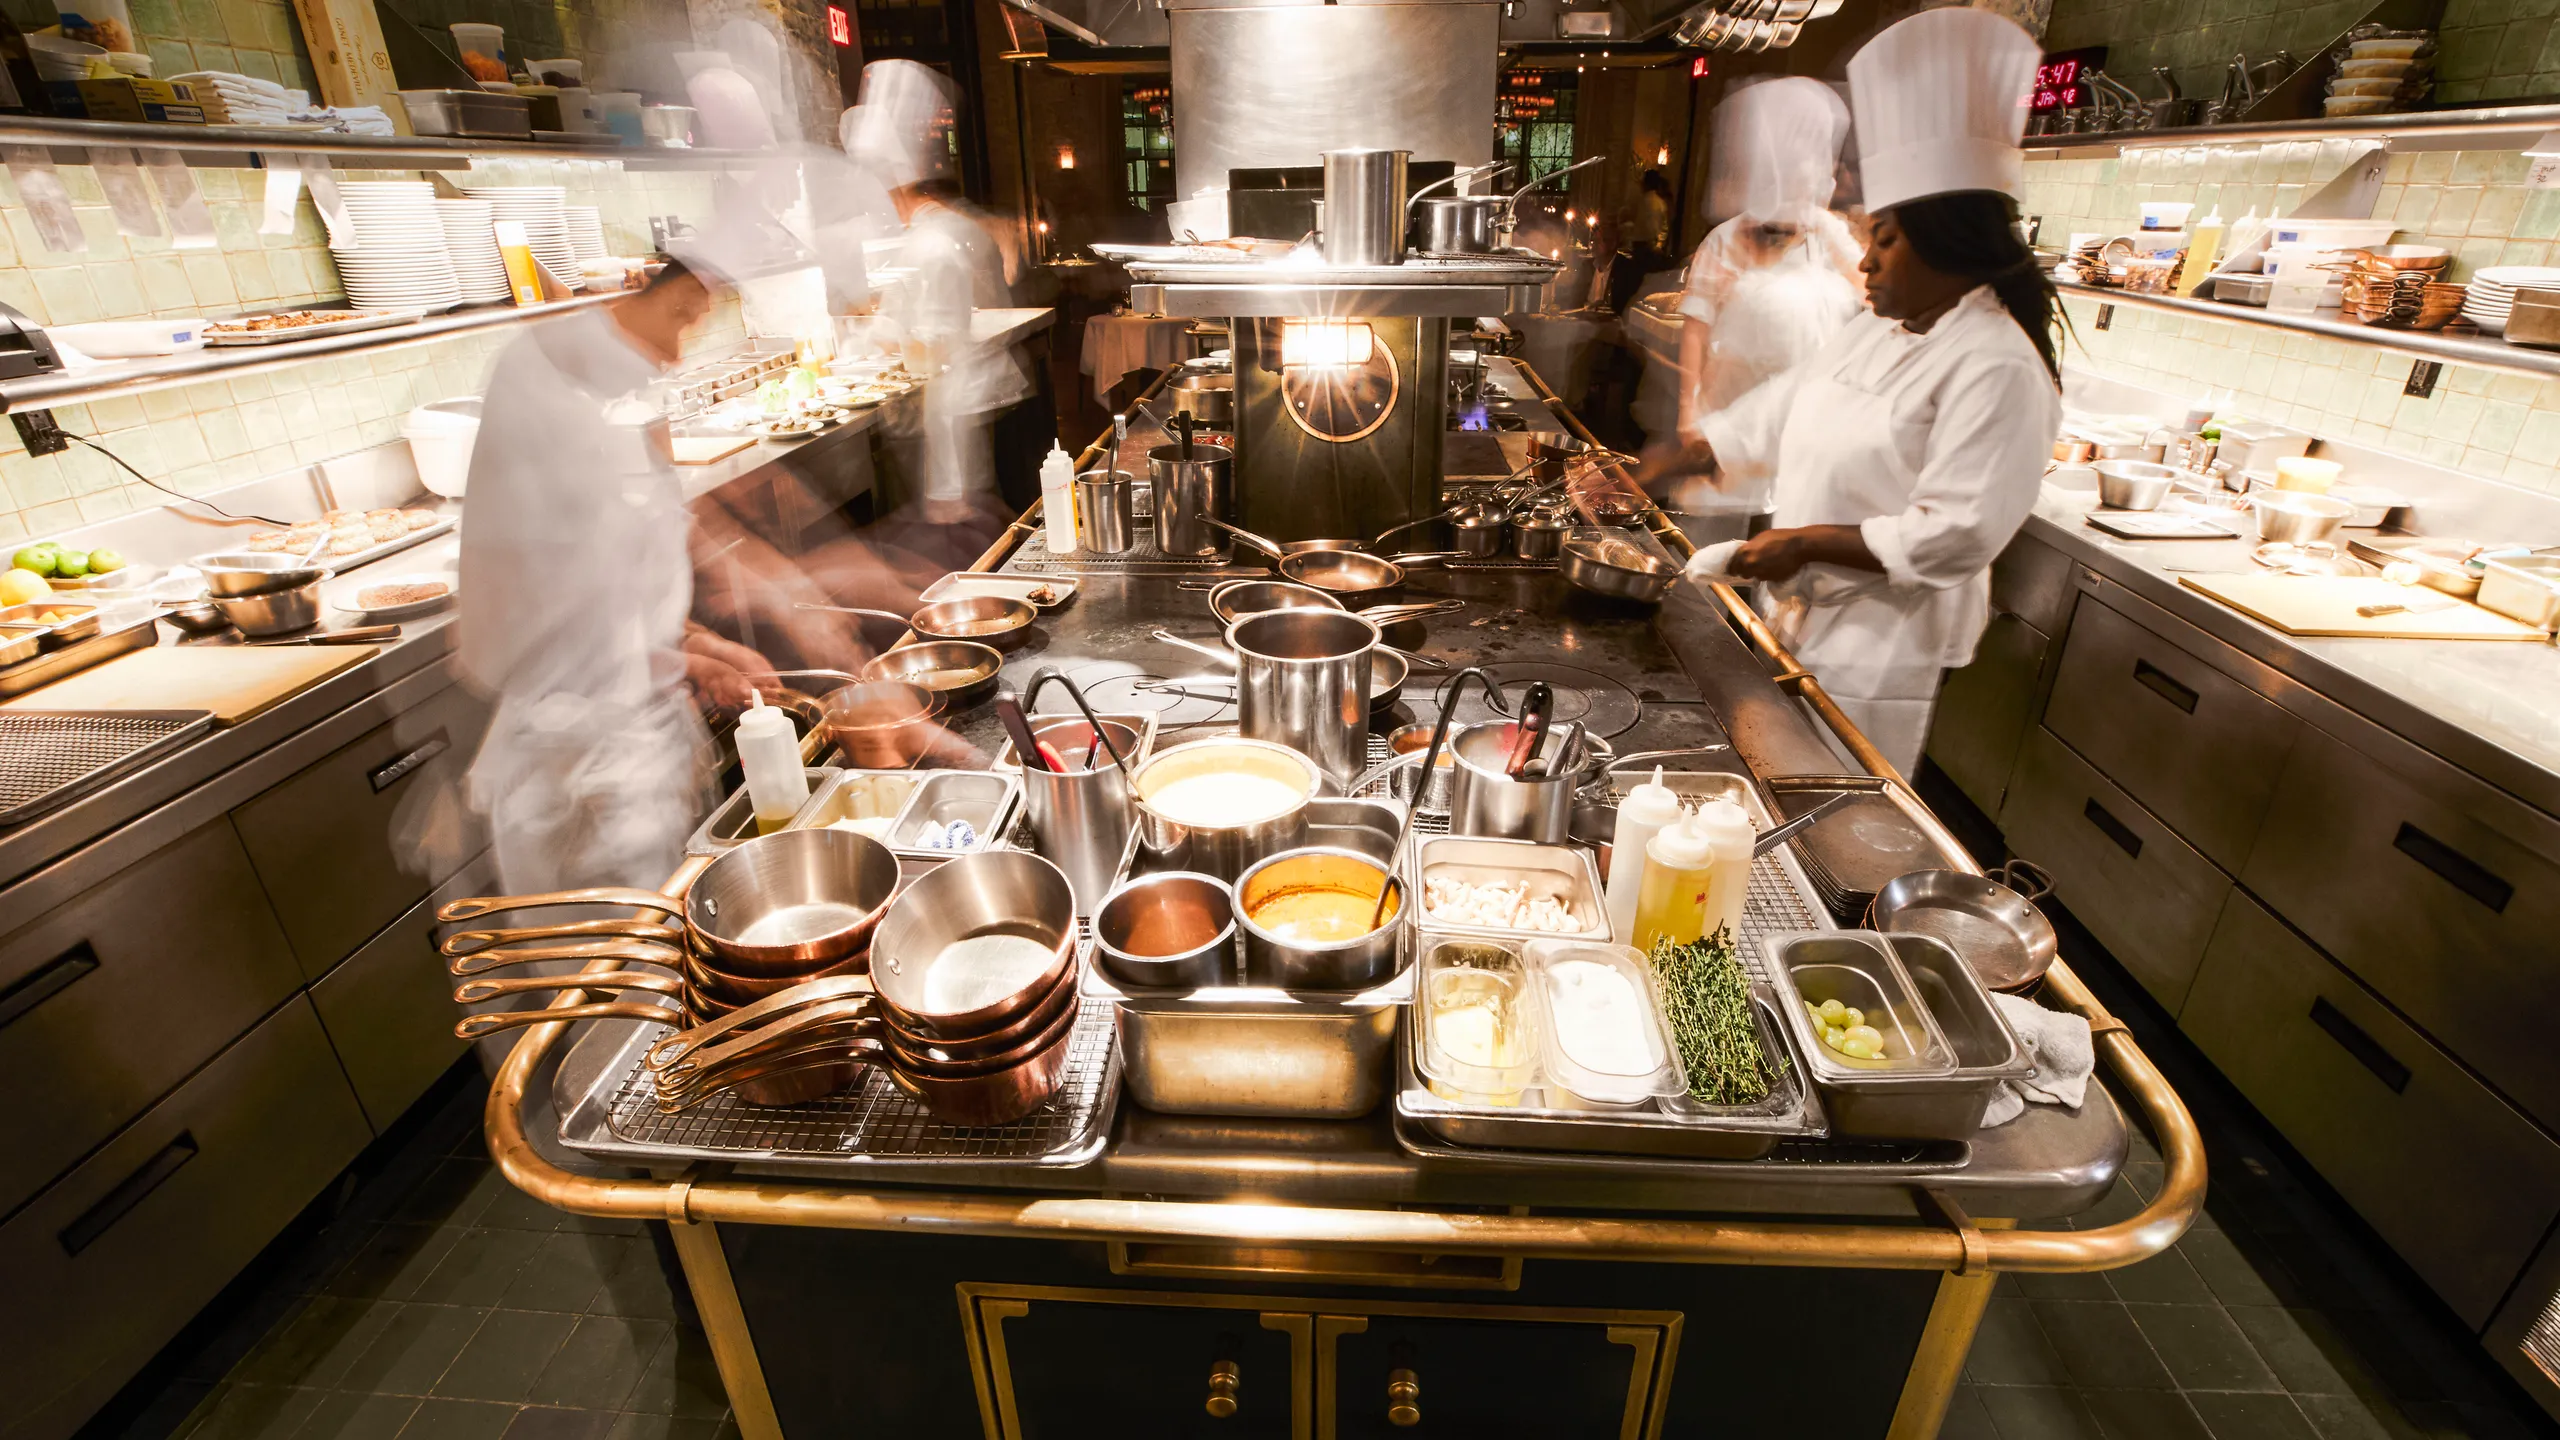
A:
(1081, 816)
(1174, 930)
(1189, 492)
(1105, 511)
(1484, 801)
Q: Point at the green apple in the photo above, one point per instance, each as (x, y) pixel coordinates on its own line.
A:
(71, 564)
(36, 558)
(103, 561)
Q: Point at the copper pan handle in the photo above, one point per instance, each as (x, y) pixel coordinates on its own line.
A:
(857, 1052)
(472, 992)
(812, 992)
(855, 1012)
(475, 1026)
(468, 942)
(479, 905)
(629, 951)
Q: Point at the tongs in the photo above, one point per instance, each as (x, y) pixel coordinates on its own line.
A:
(1529, 729)
(1430, 757)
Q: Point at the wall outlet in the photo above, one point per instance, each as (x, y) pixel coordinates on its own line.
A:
(38, 433)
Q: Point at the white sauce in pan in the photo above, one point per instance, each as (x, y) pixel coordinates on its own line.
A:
(1224, 799)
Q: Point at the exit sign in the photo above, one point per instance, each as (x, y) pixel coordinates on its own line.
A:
(839, 26)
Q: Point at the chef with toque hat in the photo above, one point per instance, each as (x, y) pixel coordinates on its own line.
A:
(1910, 449)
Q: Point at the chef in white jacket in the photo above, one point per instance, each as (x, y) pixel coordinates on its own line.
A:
(1909, 451)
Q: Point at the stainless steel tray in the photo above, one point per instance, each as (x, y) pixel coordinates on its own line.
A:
(608, 1111)
(356, 320)
(79, 655)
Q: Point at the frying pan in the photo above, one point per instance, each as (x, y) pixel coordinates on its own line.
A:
(1348, 574)
(942, 660)
(1233, 600)
(1996, 927)
(1280, 549)
(777, 905)
(997, 620)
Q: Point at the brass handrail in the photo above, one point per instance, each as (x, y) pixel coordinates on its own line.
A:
(1954, 1244)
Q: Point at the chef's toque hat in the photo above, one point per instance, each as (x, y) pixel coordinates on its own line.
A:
(1941, 99)
(900, 131)
(1777, 143)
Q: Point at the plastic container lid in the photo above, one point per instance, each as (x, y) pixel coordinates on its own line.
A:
(1577, 983)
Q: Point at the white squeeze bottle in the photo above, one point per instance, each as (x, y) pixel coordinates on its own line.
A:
(769, 751)
(1647, 808)
(1729, 836)
(1058, 500)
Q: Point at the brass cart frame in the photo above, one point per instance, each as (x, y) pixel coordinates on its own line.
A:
(1970, 1253)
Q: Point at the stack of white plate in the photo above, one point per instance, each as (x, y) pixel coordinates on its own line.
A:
(398, 259)
(2493, 292)
(474, 247)
(546, 226)
(586, 232)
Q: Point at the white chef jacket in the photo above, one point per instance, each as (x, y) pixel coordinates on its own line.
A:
(1766, 314)
(1934, 447)
(955, 270)
(575, 588)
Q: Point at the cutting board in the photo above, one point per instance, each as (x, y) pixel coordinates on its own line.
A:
(2326, 605)
(233, 681)
(708, 449)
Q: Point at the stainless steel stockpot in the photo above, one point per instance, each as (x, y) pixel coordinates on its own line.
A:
(1302, 680)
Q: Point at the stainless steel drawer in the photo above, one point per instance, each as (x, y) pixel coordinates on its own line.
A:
(2033, 581)
(106, 1265)
(2430, 894)
(2148, 897)
(1985, 708)
(2459, 1183)
(110, 999)
(324, 840)
(389, 1008)
(2196, 747)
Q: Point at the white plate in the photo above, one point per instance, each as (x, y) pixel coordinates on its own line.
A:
(402, 612)
(958, 586)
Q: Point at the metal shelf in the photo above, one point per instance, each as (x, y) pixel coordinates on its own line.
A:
(237, 146)
(2486, 353)
(134, 377)
(2503, 127)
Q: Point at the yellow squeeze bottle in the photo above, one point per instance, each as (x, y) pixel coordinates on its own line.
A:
(1672, 904)
(2203, 244)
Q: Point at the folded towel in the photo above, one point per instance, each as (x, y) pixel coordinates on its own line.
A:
(1707, 566)
(2064, 1054)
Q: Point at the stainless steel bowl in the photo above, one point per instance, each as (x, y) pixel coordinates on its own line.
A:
(2133, 484)
(201, 618)
(1271, 958)
(1173, 931)
(272, 612)
(233, 573)
(2298, 517)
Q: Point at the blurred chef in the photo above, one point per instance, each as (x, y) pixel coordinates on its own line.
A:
(1910, 449)
(900, 133)
(576, 589)
(1776, 278)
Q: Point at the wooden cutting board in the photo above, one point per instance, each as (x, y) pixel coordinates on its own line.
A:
(233, 681)
(2326, 605)
(708, 449)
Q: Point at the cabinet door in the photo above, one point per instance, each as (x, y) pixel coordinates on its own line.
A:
(1387, 1375)
(324, 840)
(111, 998)
(1062, 1368)
(1985, 708)
(2460, 1184)
(389, 1009)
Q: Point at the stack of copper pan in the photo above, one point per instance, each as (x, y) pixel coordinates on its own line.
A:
(766, 916)
(970, 1005)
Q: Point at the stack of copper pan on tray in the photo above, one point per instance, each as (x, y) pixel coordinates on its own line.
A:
(797, 969)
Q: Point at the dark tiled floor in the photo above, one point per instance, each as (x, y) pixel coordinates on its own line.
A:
(436, 1302)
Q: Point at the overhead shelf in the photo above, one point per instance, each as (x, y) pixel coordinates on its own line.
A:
(2504, 127)
(237, 146)
(2480, 353)
(167, 372)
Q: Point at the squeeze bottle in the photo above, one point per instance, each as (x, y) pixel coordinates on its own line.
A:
(2204, 243)
(1672, 901)
(1647, 808)
(1729, 838)
(769, 751)
(1058, 500)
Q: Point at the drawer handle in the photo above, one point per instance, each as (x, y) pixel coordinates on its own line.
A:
(2113, 828)
(2455, 868)
(2368, 1051)
(48, 981)
(2157, 681)
(387, 774)
(82, 1233)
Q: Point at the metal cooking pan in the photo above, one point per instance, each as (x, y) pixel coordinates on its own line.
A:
(1347, 574)
(731, 991)
(1618, 569)
(776, 905)
(920, 960)
(995, 1097)
(1387, 666)
(1996, 928)
(1233, 600)
(997, 620)
(1282, 550)
(959, 673)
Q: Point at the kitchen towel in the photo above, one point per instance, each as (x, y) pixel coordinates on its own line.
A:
(1707, 566)
(2064, 1054)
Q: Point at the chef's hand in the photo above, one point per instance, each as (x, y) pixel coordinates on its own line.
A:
(717, 686)
(1776, 555)
(1670, 462)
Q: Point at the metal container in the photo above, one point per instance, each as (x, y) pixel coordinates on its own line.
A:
(269, 612)
(881, 724)
(876, 795)
(2133, 484)
(2522, 587)
(2298, 517)
(667, 125)
(1171, 931)
(1209, 399)
(1539, 537)
(1106, 520)
(994, 892)
(1224, 848)
(1933, 1081)
(1189, 492)
(475, 113)
(1364, 205)
(983, 798)
(1081, 817)
(1431, 795)
(251, 572)
(735, 820)
(1362, 960)
(1260, 1052)
(1458, 224)
(1369, 826)
(1302, 680)
(1606, 564)
(1562, 873)
(1484, 801)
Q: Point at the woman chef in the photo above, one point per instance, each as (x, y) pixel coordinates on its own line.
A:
(1911, 448)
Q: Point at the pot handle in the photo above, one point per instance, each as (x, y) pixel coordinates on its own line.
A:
(1195, 647)
(2027, 878)
(632, 951)
(473, 1027)
(673, 1048)
(1257, 542)
(826, 1015)
(856, 1052)
(471, 942)
(472, 992)
(479, 905)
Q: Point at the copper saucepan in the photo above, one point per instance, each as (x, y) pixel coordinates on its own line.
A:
(777, 905)
(994, 1097)
(975, 943)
